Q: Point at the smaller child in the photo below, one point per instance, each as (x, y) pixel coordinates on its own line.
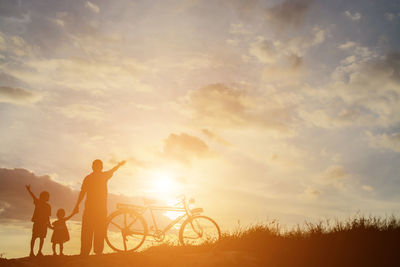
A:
(60, 231)
(40, 219)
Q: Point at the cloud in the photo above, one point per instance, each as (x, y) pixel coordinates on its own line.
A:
(83, 111)
(311, 193)
(213, 136)
(335, 175)
(319, 36)
(17, 96)
(239, 29)
(220, 106)
(185, 148)
(326, 118)
(281, 16)
(95, 75)
(284, 60)
(389, 16)
(356, 16)
(335, 172)
(367, 188)
(385, 141)
(264, 50)
(364, 92)
(13, 45)
(289, 13)
(347, 45)
(92, 7)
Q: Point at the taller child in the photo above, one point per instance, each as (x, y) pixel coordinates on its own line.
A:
(94, 186)
(40, 219)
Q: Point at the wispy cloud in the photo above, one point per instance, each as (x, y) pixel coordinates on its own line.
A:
(385, 141)
(92, 7)
(18, 96)
(356, 16)
(83, 112)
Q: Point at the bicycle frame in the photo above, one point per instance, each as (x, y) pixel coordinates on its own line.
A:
(171, 224)
(143, 209)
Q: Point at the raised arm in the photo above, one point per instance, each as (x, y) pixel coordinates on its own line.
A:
(28, 187)
(116, 167)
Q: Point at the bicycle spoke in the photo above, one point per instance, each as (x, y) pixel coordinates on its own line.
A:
(129, 225)
(119, 227)
(124, 222)
(199, 233)
(199, 230)
(124, 240)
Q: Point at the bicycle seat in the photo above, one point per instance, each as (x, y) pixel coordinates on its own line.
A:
(149, 201)
(125, 206)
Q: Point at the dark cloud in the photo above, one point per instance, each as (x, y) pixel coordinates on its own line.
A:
(184, 147)
(16, 203)
(17, 95)
(286, 14)
(10, 81)
(390, 64)
(290, 13)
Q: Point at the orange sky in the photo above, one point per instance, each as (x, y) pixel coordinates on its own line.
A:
(268, 109)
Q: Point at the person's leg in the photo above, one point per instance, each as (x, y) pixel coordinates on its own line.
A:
(40, 246)
(100, 233)
(61, 249)
(54, 249)
(87, 233)
(31, 254)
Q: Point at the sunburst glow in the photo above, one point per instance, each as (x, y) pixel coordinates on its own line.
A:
(163, 182)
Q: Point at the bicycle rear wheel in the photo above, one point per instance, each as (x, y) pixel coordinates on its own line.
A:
(126, 230)
(198, 230)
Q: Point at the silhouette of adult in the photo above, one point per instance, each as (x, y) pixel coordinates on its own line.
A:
(94, 186)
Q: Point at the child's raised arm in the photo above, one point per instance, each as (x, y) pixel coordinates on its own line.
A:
(28, 187)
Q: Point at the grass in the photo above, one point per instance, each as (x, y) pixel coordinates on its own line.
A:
(357, 241)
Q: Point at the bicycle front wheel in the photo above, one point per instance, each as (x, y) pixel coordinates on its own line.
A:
(198, 230)
(126, 230)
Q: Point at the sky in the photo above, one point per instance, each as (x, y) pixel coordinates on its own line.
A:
(259, 109)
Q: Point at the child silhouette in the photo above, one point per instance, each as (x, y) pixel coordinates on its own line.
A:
(40, 219)
(60, 231)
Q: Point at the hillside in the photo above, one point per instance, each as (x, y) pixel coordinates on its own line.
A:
(356, 242)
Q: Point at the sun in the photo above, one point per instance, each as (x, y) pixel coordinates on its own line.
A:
(163, 182)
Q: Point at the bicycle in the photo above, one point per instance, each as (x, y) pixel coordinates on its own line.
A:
(196, 229)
